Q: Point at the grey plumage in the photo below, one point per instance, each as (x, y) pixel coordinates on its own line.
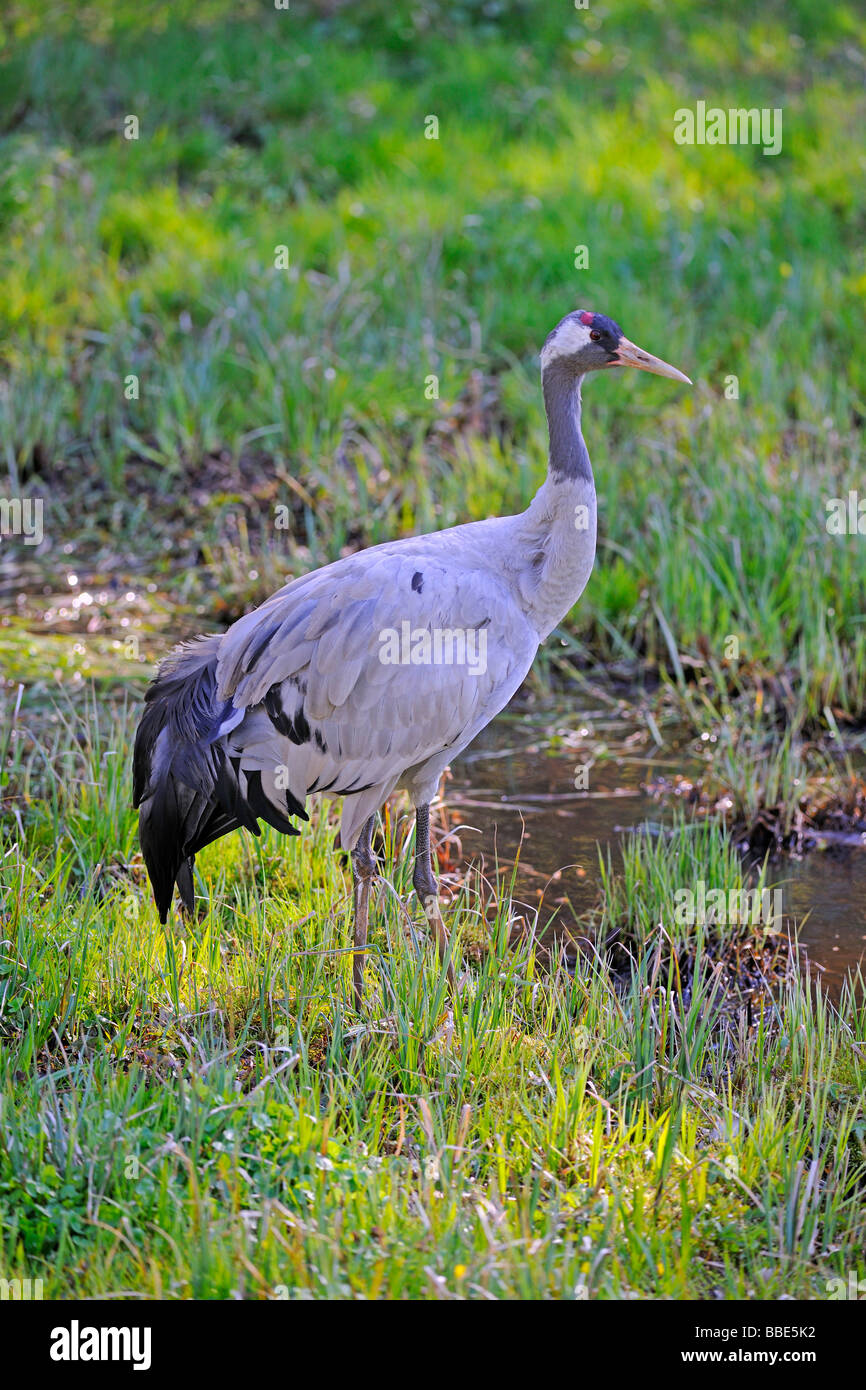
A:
(304, 695)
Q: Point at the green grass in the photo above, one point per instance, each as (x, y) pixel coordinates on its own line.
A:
(640, 901)
(201, 1112)
(410, 257)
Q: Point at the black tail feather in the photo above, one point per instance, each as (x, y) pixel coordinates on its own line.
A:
(227, 790)
(185, 884)
(186, 786)
(262, 807)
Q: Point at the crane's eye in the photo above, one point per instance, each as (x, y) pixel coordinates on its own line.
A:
(595, 336)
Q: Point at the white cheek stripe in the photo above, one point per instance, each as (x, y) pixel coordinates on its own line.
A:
(570, 338)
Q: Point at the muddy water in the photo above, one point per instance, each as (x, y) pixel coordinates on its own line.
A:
(519, 787)
(514, 789)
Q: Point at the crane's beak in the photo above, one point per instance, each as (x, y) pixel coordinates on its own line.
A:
(630, 355)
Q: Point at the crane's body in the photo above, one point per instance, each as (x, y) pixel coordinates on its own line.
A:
(372, 673)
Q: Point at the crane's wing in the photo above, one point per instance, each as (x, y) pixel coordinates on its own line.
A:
(352, 677)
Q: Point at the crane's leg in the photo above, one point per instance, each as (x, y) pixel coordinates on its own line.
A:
(424, 882)
(363, 873)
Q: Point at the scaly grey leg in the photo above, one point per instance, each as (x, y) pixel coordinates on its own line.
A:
(363, 873)
(424, 882)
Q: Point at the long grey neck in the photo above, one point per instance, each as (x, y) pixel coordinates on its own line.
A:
(568, 454)
(552, 543)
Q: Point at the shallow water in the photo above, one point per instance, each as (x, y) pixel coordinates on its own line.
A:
(515, 788)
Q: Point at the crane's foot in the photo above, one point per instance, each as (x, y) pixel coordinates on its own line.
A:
(433, 914)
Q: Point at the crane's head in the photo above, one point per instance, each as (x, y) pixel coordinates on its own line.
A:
(584, 342)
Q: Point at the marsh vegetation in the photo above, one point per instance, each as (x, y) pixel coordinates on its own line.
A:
(668, 1111)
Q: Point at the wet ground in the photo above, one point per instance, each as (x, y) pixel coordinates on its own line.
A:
(557, 785)
(72, 625)
(515, 790)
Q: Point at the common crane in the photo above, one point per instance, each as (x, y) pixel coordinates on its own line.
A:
(374, 672)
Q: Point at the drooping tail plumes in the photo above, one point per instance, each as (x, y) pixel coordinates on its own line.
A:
(183, 780)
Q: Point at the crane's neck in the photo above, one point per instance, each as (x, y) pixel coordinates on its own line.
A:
(568, 456)
(556, 534)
